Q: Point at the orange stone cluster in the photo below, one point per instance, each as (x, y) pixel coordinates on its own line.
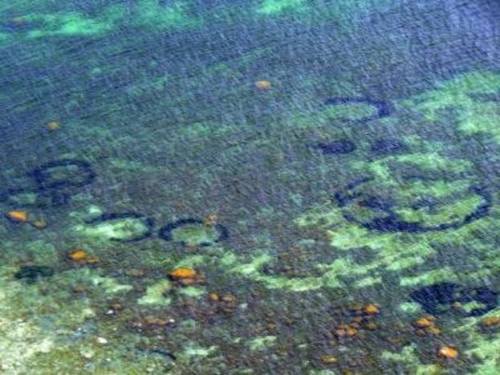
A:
(362, 320)
(448, 352)
(491, 322)
(226, 303)
(186, 276)
(24, 217)
(426, 325)
(80, 256)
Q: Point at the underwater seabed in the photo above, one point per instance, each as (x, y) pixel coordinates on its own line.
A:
(336, 232)
(147, 295)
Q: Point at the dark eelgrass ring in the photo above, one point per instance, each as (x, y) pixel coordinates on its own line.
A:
(50, 191)
(166, 232)
(44, 178)
(391, 222)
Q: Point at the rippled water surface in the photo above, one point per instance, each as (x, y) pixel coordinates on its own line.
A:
(249, 187)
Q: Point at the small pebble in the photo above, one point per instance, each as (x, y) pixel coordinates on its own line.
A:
(328, 359)
(53, 125)
(101, 340)
(424, 322)
(371, 309)
(39, 224)
(183, 273)
(263, 85)
(448, 352)
(214, 297)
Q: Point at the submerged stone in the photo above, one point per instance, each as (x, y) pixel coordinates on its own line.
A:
(387, 146)
(32, 273)
(341, 146)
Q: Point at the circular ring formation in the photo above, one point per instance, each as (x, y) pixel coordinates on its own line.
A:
(391, 222)
(50, 191)
(45, 180)
(166, 232)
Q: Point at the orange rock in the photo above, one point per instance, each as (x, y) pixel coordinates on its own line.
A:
(214, 297)
(183, 273)
(433, 330)
(210, 220)
(491, 321)
(53, 125)
(371, 309)
(17, 216)
(263, 84)
(78, 255)
(350, 331)
(424, 322)
(448, 352)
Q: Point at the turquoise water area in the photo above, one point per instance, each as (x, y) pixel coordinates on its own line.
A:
(249, 187)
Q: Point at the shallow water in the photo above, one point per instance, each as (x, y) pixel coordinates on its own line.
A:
(249, 187)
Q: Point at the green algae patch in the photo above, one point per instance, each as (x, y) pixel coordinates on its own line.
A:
(65, 24)
(155, 294)
(193, 350)
(153, 14)
(466, 97)
(92, 277)
(368, 281)
(330, 273)
(195, 234)
(192, 291)
(120, 229)
(410, 308)
(408, 358)
(261, 342)
(247, 269)
(428, 278)
(20, 341)
(191, 261)
(483, 347)
(276, 7)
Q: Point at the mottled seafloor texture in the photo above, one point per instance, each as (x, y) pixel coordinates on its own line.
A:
(254, 187)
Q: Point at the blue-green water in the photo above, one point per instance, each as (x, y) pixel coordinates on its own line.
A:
(249, 187)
